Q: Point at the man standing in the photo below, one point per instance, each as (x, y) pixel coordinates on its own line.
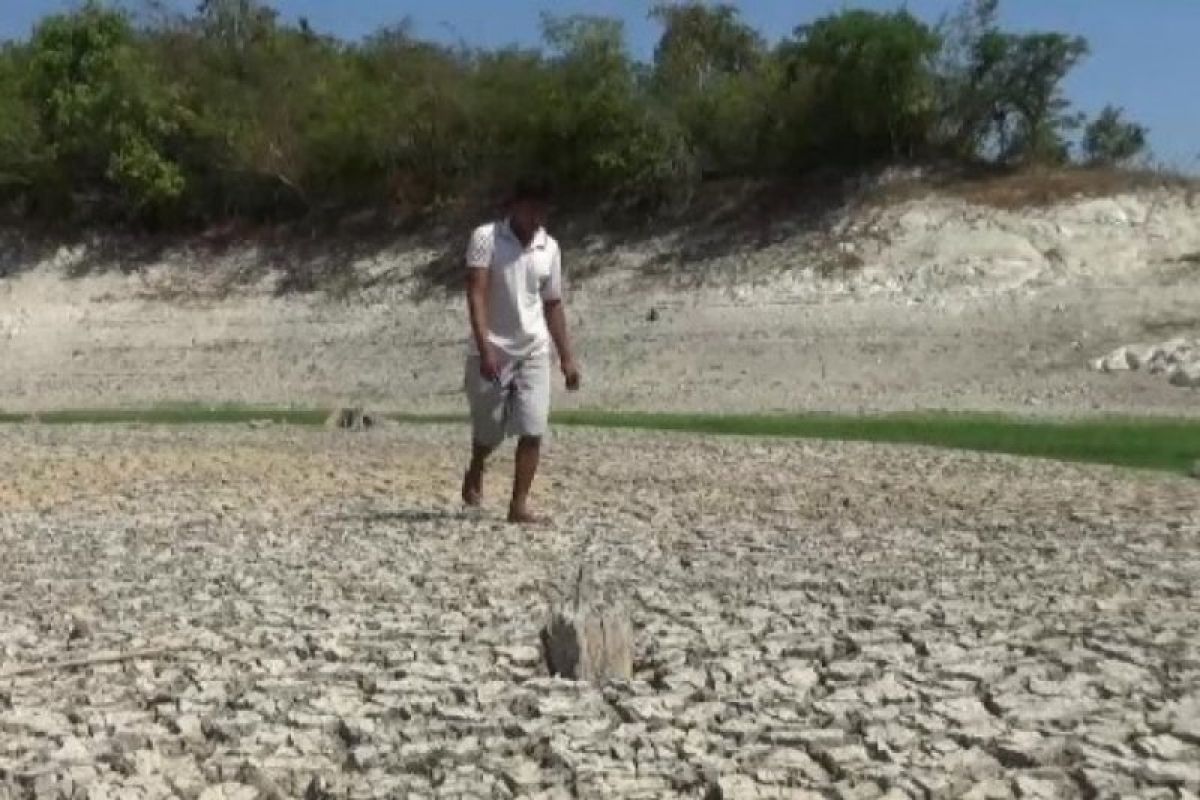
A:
(514, 294)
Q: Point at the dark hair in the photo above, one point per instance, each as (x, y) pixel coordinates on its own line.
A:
(532, 188)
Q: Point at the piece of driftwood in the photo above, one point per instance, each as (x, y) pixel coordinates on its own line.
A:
(588, 638)
(351, 419)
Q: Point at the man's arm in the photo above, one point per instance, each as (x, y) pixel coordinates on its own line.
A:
(478, 263)
(556, 321)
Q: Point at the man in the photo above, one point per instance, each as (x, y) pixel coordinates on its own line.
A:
(514, 294)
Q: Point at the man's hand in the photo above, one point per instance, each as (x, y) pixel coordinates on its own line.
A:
(571, 372)
(489, 365)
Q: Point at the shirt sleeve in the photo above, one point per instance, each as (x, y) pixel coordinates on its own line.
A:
(479, 251)
(552, 286)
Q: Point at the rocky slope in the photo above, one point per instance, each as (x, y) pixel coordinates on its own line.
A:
(930, 303)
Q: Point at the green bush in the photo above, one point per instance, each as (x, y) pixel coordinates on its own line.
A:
(1000, 94)
(1110, 139)
(232, 113)
(711, 71)
(105, 119)
(19, 141)
(865, 87)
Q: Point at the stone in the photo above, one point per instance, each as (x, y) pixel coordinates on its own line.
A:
(1138, 356)
(965, 712)
(363, 757)
(1186, 376)
(1116, 361)
(229, 791)
(1104, 783)
(887, 690)
(801, 679)
(1158, 771)
(737, 787)
(794, 761)
(992, 789)
(1182, 720)
(973, 763)
(847, 670)
(1164, 747)
(522, 774)
(72, 751)
(843, 760)
(521, 655)
(81, 627)
(652, 711)
(189, 727)
(1024, 750)
(850, 790)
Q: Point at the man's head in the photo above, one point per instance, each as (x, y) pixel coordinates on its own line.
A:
(529, 206)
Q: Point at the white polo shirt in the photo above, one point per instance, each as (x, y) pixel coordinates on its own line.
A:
(520, 280)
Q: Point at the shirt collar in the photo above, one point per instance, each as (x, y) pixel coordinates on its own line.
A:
(539, 238)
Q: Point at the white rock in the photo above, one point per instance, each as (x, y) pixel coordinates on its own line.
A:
(1138, 356)
(1186, 376)
(73, 751)
(1116, 361)
(229, 791)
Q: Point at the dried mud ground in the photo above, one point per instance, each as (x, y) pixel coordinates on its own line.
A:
(317, 617)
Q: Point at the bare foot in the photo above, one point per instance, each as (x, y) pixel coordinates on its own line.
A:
(523, 517)
(472, 488)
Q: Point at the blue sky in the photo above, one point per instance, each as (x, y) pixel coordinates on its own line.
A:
(1146, 53)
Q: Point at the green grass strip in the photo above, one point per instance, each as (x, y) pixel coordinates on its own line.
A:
(1161, 444)
(175, 415)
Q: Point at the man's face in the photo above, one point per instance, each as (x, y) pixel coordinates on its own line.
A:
(528, 216)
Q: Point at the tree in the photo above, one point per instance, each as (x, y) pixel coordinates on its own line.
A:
(1110, 139)
(258, 89)
(1031, 115)
(863, 87)
(105, 119)
(965, 109)
(1002, 92)
(709, 67)
(602, 134)
(701, 44)
(239, 23)
(233, 111)
(18, 126)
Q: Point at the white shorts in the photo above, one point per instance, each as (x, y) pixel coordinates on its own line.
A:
(516, 405)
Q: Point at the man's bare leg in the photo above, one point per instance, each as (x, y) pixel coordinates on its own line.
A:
(472, 489)
(529, 451)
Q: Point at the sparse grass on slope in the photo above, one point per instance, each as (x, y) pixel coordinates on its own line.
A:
(1160, 444)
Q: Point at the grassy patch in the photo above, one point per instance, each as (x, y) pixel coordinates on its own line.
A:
(182, 414)
(1172, 445)
(1161, 444)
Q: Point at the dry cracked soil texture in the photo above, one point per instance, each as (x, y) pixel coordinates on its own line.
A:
(316, 617)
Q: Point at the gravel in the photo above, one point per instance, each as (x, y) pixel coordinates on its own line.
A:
(295, 613)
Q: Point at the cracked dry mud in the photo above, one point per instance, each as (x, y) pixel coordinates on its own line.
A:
(318, 618)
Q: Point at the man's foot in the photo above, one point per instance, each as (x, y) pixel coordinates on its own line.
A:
(525, 518)
(472, 488)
